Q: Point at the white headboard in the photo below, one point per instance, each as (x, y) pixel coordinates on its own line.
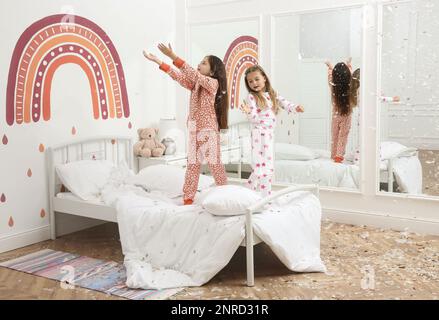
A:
(115, 149)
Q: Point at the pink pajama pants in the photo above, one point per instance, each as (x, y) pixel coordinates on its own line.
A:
(204, 147)
(341, 125)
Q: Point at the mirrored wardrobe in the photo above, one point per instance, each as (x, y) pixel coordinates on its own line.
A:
(307, 144)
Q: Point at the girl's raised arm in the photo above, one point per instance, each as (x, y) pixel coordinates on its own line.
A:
(208, 83)
(288, 106)
(177, 76)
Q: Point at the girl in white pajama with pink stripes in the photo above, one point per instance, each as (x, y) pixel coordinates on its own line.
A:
(261, 106)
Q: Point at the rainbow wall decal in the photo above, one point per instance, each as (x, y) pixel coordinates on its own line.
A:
(242, 54)
(50, 43)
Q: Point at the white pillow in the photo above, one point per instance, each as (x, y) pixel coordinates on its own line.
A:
(85, 178)
(389, 149)
(286, 151)
(167, 179)
(322, 153)
(229, 200)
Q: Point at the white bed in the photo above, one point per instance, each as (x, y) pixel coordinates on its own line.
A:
(116, 149)
(326, 173)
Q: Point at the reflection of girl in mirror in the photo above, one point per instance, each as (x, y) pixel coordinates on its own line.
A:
(339, 78)
(262, 106)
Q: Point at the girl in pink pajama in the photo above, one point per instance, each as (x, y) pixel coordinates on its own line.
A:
(208, 113)
(261, 106)
(339, 79)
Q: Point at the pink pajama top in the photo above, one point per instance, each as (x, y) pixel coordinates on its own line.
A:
(203, 89)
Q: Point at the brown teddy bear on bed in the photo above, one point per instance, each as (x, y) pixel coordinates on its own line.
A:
(148, 145)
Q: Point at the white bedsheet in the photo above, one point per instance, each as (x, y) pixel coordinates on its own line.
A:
(321, 171)
(325, 172)
(169, 246)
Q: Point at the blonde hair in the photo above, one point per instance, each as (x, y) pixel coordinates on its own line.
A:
(260, 100)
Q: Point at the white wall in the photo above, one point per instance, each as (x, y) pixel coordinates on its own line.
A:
(131, 25)
(368, 206)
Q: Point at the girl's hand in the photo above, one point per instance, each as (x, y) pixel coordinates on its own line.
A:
(167, 51)
(245, 107)
(329, 65)
(349, 63)
(151, 57)
(300, 109)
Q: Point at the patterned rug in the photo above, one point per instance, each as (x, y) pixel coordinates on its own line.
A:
(73, 270)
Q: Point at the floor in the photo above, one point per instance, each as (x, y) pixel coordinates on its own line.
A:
(363, 263)
(430, 171)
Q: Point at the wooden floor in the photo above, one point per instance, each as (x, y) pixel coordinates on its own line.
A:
(362, 263)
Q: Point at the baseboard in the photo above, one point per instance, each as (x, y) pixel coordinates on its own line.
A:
(382, 221)
(24, 239)
(66, 224)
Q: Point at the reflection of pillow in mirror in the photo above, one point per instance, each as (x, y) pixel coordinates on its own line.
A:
(389, 149)
(286, 151)
(321, 153)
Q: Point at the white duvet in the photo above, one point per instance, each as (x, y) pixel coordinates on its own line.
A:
(169, 246)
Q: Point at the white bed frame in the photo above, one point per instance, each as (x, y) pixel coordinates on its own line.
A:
(386, 176)
(100, 148)
(109, 148)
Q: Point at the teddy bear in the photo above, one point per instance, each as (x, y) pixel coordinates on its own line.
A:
(148, 146)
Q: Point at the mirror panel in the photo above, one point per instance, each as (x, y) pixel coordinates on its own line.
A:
(409, 98)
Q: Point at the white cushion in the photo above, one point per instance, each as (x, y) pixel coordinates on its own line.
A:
(389, 149)
(85, 178)
(286, 151)
(167, 179)
(229, 200)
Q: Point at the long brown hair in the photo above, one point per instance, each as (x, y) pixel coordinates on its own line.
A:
(341, 84)
(260, 100)
(355, 85)
(221, 99)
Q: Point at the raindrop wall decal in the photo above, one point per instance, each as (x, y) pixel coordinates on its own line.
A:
(42, 213)
(73, 131)
(11, 222)
(41, 148)
(29, 173)
(5, 140)
(130, 125)
(3, 198)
